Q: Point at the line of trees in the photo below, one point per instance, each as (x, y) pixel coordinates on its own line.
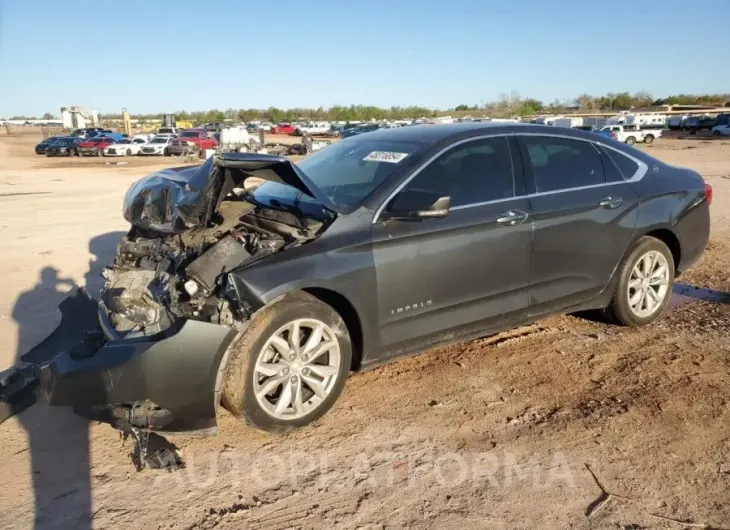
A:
(514, 105)
(506, 105)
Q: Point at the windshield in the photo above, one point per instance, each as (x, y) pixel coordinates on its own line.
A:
(346, 172)
(191, 134)
(158, 141)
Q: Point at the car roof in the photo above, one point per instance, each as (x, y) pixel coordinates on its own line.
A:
(443, 131)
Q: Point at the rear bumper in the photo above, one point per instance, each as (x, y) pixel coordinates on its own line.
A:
(177, 371)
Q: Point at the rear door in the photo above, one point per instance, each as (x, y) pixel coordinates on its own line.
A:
(583, 213)
(468, 268)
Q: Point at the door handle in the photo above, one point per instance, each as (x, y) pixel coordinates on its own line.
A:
(512, 217)
(611, 202)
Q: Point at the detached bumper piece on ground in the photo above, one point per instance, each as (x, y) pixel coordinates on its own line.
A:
(172, 375)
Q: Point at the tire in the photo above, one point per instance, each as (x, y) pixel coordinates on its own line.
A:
(242, 379)
(129, 152)
(630, 140)
(648, 139)
(167, 152)
(716, 133)
(621, 310)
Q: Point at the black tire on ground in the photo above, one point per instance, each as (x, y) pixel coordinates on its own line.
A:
(630, 140)
(619, 311)
(167, 152)
(238, 391)
(716, 133)
(649, 138)
(129, 152)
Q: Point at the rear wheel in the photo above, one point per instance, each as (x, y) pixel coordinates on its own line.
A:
(290, 365)
(648, 139)
(129, 152)
(645, 284)
(631, 140)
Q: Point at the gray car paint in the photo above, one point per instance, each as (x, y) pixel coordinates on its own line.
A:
(401, 263)
(479, 278)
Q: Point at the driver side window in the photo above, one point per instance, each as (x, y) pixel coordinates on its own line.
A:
(470, 173)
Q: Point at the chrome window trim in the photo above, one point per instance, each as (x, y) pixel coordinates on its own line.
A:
(636, 177)
(641, 170)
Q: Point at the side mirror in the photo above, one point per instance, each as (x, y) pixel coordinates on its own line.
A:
(417, 205)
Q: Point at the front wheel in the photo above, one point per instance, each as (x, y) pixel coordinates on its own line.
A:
(645, 284)
(716, 133)
(290, 366)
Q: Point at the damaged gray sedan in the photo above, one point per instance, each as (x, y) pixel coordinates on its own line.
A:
(264, 299)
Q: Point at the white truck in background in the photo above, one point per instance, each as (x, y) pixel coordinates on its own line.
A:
(569, 122)
(630, 134)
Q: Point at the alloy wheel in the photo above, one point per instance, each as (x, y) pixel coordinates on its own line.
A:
(296, 369)
(648, 284)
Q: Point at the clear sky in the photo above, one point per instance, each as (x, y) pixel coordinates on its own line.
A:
(163, 56)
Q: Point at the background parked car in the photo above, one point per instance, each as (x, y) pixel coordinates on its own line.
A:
(40, 148)
(630, 134)
(192, 139)
(114, 136)
(721, 130)
(94, 146)
(87, 132)
(360, 129)
(312, 128)
(174, 131)
(125, 146)
(158, 146)
(64, 146)
(283, 128)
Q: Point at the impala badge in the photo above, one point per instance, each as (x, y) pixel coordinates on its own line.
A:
(411, 307)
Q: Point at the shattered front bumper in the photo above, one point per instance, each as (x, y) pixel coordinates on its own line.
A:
(176, 370)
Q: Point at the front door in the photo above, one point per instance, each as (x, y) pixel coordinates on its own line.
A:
(584, 215)
(468, 268)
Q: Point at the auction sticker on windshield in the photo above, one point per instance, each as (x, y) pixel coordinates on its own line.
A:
(385, 156)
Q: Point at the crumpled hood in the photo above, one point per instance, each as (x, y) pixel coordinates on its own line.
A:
(177, 199)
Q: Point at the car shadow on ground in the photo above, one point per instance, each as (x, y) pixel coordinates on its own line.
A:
(58, 440)
(681, 293)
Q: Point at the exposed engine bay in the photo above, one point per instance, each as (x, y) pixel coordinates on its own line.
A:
(166, 269)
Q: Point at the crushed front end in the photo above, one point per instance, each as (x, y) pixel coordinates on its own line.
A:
(153, 346)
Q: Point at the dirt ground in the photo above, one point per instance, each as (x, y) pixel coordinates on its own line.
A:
(564, 423)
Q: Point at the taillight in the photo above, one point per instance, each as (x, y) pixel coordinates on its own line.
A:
(708, 193)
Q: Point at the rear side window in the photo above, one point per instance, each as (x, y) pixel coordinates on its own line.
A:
(562, 163)
(471, 173)
(626, 165)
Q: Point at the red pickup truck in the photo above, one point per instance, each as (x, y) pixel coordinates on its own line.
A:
(94, 146)
(283, 128)
(192, 138)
